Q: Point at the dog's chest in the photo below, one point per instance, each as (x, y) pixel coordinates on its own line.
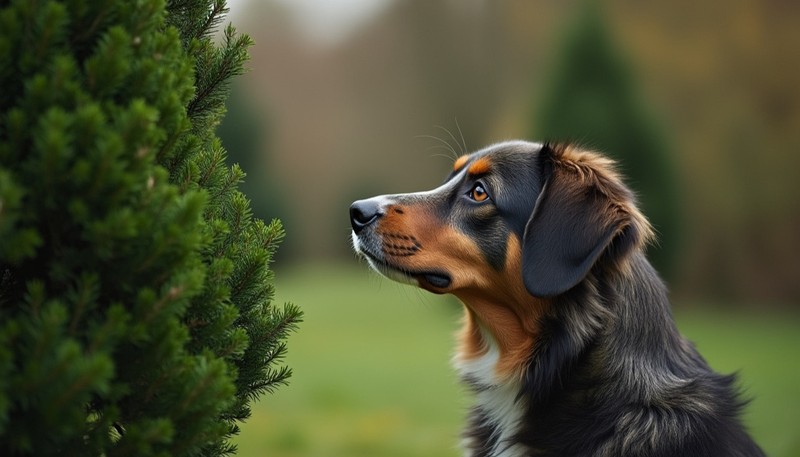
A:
(498, 405)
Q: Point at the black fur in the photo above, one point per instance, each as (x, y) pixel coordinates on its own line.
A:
(635, 387)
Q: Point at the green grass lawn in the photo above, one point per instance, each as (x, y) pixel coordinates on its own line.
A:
(372, 372)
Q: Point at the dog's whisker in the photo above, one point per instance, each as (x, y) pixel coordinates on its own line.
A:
(438, 146)
(463, 142)
(453, 138)
(445, 144)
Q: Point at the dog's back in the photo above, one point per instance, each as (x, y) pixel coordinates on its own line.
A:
(637, 388)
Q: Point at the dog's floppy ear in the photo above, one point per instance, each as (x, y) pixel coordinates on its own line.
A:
(575, 220)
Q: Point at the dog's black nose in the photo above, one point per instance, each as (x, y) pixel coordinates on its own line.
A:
(363, 213)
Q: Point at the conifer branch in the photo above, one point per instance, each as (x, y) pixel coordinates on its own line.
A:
(218, 11)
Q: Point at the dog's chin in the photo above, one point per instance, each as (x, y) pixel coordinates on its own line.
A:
(436, 282)
(391, 273)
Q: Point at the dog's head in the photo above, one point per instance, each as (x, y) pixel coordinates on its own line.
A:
(514, 218)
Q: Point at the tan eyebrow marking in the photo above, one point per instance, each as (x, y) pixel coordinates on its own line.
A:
(480, 166)
(460, 162)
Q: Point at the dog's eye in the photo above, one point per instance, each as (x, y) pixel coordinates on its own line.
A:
(478, 193)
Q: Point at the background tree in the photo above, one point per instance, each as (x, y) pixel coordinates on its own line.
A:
(245, 135)
(135, 295)
(590, 98)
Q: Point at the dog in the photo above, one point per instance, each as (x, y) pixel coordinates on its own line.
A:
(568, 342)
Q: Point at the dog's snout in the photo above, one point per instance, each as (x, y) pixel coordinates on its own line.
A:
(363, 213)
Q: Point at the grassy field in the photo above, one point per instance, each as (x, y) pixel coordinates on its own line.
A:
(372, 376)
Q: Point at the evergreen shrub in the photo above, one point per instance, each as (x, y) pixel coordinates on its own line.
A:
(135, 288)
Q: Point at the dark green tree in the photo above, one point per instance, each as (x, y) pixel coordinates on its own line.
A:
(590, 98)
(135, 289)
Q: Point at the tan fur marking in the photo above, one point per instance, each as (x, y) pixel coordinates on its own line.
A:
(480, 166)
(470, 341)
(505, 308)
(460, 162)
(495, 300)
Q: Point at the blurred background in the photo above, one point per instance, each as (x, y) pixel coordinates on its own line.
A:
(345, 99)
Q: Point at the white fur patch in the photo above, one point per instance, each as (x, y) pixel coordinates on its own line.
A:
(496, 398)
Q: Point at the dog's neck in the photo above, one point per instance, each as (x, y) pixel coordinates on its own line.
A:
(496, 343)
(501, 317)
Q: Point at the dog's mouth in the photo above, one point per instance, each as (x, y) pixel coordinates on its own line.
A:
(436, 280)
(432, 281)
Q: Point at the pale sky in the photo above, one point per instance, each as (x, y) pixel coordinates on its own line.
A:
(323, 21)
